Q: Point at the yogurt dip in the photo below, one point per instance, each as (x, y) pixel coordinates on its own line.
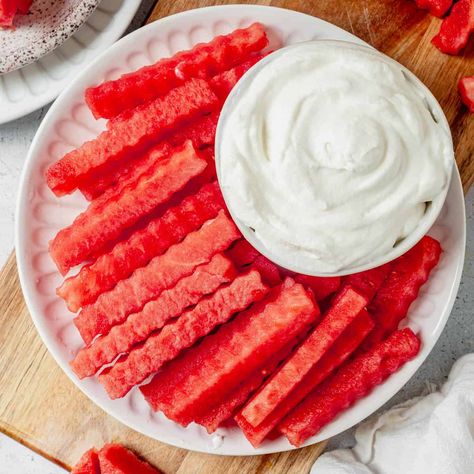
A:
(331, 153)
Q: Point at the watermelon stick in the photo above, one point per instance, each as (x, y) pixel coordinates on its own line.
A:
(154, 315)
(344, 346)
(351, 382)
(344, 309)
(187, 387)
(115, 459)
(144, 126)
(143, 245)
(177, 336)
(111, 98)
(409, 273)
(164, 271)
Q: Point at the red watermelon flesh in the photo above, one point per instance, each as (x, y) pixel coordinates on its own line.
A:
(143, 245)
(183, 333)
(369, 281)
(155, 314)
(88, 464)
(144, 125)
(164, 271)
(187, 387)
(322, 287)
(116, 459)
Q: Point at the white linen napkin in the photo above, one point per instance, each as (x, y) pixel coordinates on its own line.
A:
(427, 435)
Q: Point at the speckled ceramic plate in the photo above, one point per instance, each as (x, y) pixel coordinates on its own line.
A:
(40, 215)
(47, 25)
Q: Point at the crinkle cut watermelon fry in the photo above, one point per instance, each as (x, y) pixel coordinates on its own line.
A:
(114, 176)
(88, 464)
(116, 459)
(466, 89)
(369, 281)
(242, 253)
(113, 97)
(225, 408)
(154, 315)
(350, 383)
(98, 225)
(7, 13)
(144, 125)
(401, 287)
(322, 287)
(269, 271)
(436, 7)
(187, 387)
(343, 311)
(344, 346)
(456, 28)
(164, 346)
(143, 245)
(162, 272)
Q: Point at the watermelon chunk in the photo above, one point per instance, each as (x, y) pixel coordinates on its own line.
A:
(7, 12)
(343, 311)
(409, 273)
(144, 125)
(88, 464)
(223, 83)
(322, 287)
(141, 247)
(155, 314)
(242, 253)
(342, 348)
(351, 382)
(115, 176)
(456, 28)
(175, 337)
(225, 409)
(101, 224)
(436, 7)
(146, 283)
(187, 387)
(369, 281)
(116, 459)
(23, 6)
(466, 89)
(204, 60)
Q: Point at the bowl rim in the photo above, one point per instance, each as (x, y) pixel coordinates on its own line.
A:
(431, 213)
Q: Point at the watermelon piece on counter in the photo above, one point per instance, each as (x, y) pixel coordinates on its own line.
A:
(98, 225)
(322, 287)
(189, 386)
(437, 8)
(143, 245)
(350, 383)
(111, 98)
(144, 126)
(242, 253)
(7, 12)
(199, 321)
(456, 28)
(162, 272)
(466, 89)
(116, 459)
(88, 464)
(225, 408)
(401, 287)
(368, 282)
(343, 311)
(269, 271)
(223, 83)
(114, 177)
(154, 315)
(343, 347)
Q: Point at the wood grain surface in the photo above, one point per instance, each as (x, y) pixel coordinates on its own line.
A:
(43, 409)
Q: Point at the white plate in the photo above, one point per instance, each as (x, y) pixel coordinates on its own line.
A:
(46, 26)
(40, 215)
(24, 90)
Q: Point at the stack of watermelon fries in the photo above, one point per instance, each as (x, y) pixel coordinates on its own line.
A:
(172, 299)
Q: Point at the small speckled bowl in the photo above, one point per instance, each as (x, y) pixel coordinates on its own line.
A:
(46, 26)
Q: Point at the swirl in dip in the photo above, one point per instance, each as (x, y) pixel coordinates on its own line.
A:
(330, 154)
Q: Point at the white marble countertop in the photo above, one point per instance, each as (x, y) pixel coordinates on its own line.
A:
(456, 340)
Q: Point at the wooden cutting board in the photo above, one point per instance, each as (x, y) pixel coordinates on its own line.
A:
(40, 407)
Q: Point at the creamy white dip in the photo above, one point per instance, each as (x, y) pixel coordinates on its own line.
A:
(330, 154)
